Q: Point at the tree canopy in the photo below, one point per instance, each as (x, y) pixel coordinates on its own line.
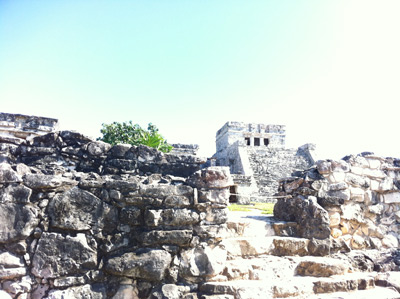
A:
(127, 132)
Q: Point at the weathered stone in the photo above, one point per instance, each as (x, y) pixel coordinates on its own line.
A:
(79, 210)
(42, 181)
(85, 291)
(172, 217)
(78, 255)
(173, 237)
(202, 262)
(15, 193)
(215, 216)
(220, 196)
(150, 265)
(356, 180)
(98, 148)
(324, 167)
(131, 216)
(291, 246)
(17, 221)
(321, 267)
(393, 197)
(353, 212)
(11, 273)
(8, 175)
(126, 291)
(313, 220)
(211, 177)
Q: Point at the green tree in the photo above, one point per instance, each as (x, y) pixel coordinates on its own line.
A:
(127, 132)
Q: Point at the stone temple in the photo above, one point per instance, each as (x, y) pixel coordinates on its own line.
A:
(258, 159)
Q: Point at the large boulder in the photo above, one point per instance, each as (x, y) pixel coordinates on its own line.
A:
(149, 265)
(312, 219)
(57, 255)
(17, 221)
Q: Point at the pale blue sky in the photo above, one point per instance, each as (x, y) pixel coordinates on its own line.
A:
(329, 70)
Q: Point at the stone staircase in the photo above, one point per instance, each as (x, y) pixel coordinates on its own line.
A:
(263, 265)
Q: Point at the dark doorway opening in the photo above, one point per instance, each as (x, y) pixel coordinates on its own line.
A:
(266, 141)
(247, 140)
(232, 196)
(256, 141)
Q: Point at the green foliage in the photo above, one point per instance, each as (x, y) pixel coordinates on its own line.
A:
(129, 133)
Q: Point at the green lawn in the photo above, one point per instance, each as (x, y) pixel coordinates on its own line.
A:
(266, 208)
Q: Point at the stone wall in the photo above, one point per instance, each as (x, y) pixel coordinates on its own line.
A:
(358, 199)
(18, 127)
(82, 219)
(184, 149)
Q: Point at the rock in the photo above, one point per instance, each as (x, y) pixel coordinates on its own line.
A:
(172, 217)
(174, 237)
(8, 175)
(98, 148)
(45, 182)
(79, 254)
(150, 265)
(202, 262)
(8, 260)
(321, 267)
(211, 177)
(15, 193)
(312, 219)
(79, 210)
(288, 246)
(85, 291)
(17, 221)
(126, 292)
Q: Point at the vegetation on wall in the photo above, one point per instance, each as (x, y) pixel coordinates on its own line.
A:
(127, 132)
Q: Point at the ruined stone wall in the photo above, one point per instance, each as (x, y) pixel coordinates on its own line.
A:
(358, 199)
(82, 219)
(271, 165)
(17, 127)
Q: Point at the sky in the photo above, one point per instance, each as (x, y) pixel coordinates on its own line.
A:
(328, 70)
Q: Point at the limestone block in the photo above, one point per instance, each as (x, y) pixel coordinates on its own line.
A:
(131, 216)
(368, 197)
(393, 197)
(15, 193)
(45, 182)
(77, 209)
(374, 173)
(334, 219)
(172, 217)
(79, 254)
(215, 216)
(291, 246)
(337, 177)
(344, 227)
(340, 166)
(8, 260)
(177, 201)
(211, 177)
(220, 196)
(11, 273)
(318, 267)
(336, 233)
(85, 291)
(17, 221)
(126, 291)
(149, 265)
(376, 243)
(352, 212)
(386, 184)
(357, 194)
(98, 148)
(324, 167)
(338, 186)
(390, 241)
(357, 242)
(374, 184)
(357, 170)
(173, 237)
(202, 261)
(374, 163)
(8, 175)
(376, 209)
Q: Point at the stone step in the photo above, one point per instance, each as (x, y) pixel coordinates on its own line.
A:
(273, 245)
(374, 293)
(341, 286)
(273, 267)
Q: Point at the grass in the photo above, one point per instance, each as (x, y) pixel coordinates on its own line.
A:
(265, 207)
